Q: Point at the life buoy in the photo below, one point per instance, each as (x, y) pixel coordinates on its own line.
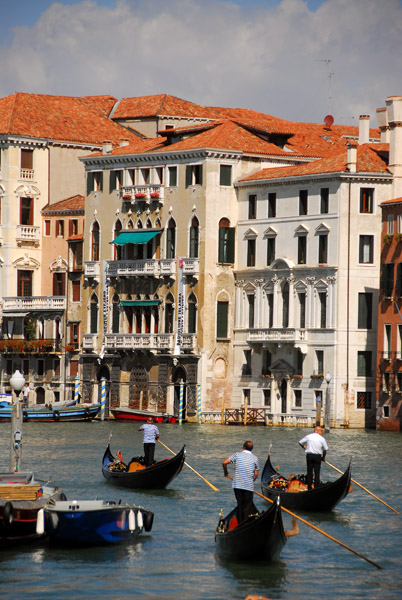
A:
(148, 520)
(24, 416)
(8, 514)
(56, 415)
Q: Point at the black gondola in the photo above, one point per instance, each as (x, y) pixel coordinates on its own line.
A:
(260, 537)
(322, 499)
(157, 476)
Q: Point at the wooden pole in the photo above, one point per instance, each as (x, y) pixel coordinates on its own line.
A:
(323, 532)
(191, 468)
(363, 488)
(245, 411)
(223, 410)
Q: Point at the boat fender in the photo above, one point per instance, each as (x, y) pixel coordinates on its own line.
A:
(131, 520)
(8, 514)
(56, 415)
(87, 412)
(140, 520)
(24, 416)
(148, 520)
(40, 522)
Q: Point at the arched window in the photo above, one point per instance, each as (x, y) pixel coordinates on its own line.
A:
(115, 314)
(116, 248)
(169, 314)
(192, 314)
(95, 238)
(285, 305)
(194, 237)
(139, 224)
(93, 314)
(226, 242)
(171, 239)
(130, 224)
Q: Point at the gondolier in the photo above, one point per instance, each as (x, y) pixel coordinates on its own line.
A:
(246, 472)
(151, 434)
(316, 448)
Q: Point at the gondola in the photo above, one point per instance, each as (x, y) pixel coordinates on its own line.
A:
(260, 537)
(157, 476)
(49, 414)
(322, 499)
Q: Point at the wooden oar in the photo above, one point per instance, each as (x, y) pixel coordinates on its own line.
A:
(321, 531)
(318, 529)
(363, 488)
(191, 468)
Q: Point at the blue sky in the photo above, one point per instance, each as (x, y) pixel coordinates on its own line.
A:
(270, 55)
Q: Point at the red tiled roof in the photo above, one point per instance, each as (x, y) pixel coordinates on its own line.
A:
(74, 203)
(157, 105)
(392, 201)
(369, 160)
(75, 238)
(61, 118)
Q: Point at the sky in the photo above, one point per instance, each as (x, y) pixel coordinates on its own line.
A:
(294, 59)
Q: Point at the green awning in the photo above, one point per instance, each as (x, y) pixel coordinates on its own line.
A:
(139, 303)
(141, 236)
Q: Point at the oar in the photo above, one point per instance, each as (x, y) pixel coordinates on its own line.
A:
(317, 529)
(363, 488)
(321, 531)
(194, 471)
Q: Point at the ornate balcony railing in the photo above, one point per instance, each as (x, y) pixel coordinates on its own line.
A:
(119, 268)
(28, 233)
(21, 346)
(92, 269)
(191, 266)
(27, 174)
(27, 303)
(143, 193)
(139, 341)
(288, 334)
(89, 341)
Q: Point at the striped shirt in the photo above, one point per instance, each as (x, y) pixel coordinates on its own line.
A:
(150, 433)
(245, 464)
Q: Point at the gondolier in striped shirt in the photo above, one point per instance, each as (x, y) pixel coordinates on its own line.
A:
(246, 472)
(151, 434)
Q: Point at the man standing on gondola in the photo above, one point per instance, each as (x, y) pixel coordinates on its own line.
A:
(151, 434)
(246, 472)
(316, 448)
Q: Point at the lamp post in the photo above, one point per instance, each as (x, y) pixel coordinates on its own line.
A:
(327, 404)
(17, 382)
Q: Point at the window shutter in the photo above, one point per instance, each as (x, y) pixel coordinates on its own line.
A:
(225, 175)
(222, 320)
(398, 286)
(90, 183)
(189, 175)
(231, 245)
(112, 181)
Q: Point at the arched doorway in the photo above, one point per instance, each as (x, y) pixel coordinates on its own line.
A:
(104, 373)
(40, 395)
(284, 394)
(179, 376)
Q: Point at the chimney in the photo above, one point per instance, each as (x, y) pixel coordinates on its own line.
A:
(351, 159)
(382, 120)
(124, 142)
(394, 113)
(107, 147)
(364, 129)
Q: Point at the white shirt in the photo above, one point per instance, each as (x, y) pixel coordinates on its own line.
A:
(315, 443)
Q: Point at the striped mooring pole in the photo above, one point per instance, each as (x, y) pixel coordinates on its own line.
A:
(181, 402)
(199, 403)
(76, 388)
(103, 397)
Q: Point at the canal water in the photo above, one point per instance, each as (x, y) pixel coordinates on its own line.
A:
(177, 559)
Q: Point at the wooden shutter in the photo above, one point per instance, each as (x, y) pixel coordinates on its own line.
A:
(189, 175)
(222, 320)
(90, 182)
(231, 245)
(112, 181)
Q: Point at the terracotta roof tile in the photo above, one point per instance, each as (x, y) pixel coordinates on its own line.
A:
(159, 105)
(74, 203)
(392, 201)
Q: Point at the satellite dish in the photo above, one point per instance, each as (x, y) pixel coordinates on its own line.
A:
(329, 120)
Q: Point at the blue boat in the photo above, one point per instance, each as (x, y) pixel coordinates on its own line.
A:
(93, 522)
(50, 414)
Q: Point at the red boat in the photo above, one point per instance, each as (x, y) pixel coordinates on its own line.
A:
(131, 414)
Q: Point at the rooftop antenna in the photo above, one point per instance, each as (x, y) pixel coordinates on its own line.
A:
(328, 61)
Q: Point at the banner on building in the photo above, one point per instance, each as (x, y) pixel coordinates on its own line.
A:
(180, 308)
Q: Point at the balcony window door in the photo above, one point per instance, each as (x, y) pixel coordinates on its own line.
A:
(192, 314)
(194, 238)
(24, 283)
(94, 310)
(26, 211)
(226, 242)
(95, 241)
(59, 284)
(169, 315)
(171, 239)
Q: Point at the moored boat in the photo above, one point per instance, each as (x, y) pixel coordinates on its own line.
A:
(136, 476)
(125, 413)
(260, 537)
(93, 522)
(322, 499)
(50, 414)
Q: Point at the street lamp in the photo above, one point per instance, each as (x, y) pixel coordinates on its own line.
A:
(17, 382)
(327, 404)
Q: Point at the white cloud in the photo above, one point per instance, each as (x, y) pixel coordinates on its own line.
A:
(216, 53)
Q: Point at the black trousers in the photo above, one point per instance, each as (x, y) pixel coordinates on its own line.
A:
(313, 465)
(149, 451)
(245, 504)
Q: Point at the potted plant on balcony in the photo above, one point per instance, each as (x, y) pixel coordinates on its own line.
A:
(126, 196)
(70, 347)
(154, 195)
(317, 376)
(139, 195)
(387, 239)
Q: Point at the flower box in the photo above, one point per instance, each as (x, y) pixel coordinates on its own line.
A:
(387, 238)
(317, 376)
(154, 195)
(398, 237)
(126, 196)
(139, 195)
(70, 347)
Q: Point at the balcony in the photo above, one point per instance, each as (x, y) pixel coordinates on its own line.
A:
(27, 174)
(188, 342)
(89, 341)
(140, 341)
(21, 346)
(92, 269)
(191, 267)
(168, 267)
(28, 303)
(285, 335)
(143, 193)
(127, 268)
(28, 234)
